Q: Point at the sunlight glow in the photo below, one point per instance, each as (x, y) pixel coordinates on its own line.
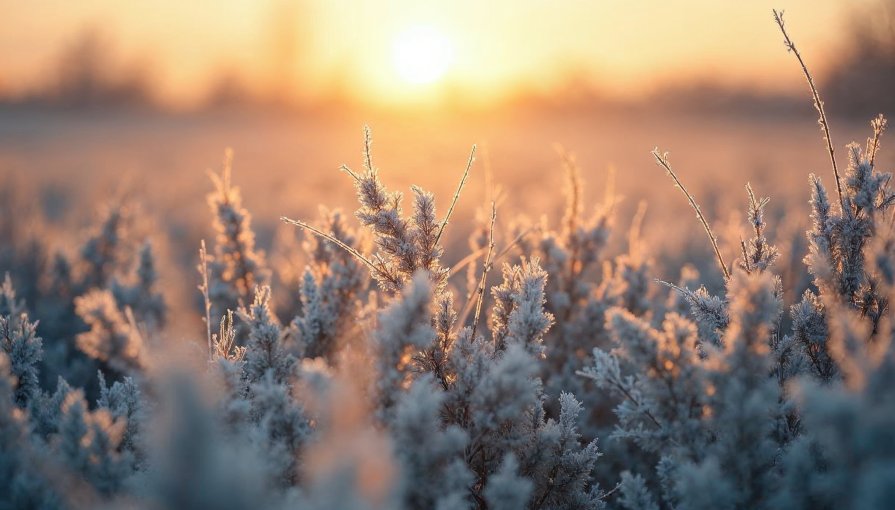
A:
(421, 54)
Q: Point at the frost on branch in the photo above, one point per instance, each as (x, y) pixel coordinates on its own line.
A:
(112, 339)
(329, 290)
(237, 266)
(519, 316)
(405, 245)
(404, 328)
(264, 346)
(431, 455)
(24, 350)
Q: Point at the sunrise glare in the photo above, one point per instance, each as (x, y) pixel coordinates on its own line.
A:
(379, 51)
(421, 54)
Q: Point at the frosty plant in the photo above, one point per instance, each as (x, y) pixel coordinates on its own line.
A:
(492, 398)
(236, 266)
(405, 245)
(737, 399)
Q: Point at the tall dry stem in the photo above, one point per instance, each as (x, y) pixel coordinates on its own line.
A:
(203, 287)
(662, 160)
(480, 293)
(818, 104)
(447, 217)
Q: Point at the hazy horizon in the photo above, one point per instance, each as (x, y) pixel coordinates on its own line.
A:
(311, 50)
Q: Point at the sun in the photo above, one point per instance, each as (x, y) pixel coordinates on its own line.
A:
(421, 54)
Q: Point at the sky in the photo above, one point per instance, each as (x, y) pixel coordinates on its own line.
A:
(312, 48)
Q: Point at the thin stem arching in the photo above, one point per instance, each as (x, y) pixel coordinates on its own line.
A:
(879, 125)
(450, 211)
(662, 160)
(375, 269)
(818, 104)
(485, 269)
(203, 287)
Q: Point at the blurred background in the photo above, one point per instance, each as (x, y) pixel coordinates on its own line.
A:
(103, 99)
(322, 55)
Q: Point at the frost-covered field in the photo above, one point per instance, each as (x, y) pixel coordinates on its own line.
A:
(572, 338)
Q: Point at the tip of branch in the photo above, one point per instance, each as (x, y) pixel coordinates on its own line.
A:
(472, 154)
(676, 288)
(349, 171)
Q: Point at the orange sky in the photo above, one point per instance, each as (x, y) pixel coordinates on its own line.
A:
(315, 46)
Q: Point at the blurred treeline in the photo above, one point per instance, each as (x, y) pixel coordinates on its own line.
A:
(88, 73)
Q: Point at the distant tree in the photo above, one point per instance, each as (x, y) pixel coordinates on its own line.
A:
(861, 83)
(87, 75)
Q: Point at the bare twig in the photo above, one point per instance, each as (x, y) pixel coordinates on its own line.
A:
(465, 261)
(572, 213)
(375, 269)
(333, 239)
(485, 269)
(472, 257)
(350, 172)
(746, 265)
(634, 241)
(662, 160)
(450, 211)
(879, 125)
(573, 209)
(672, 286)
(368, 151)
(467, 309)
(818, 104)
(203, 287)
(611, 492)
(512, 244)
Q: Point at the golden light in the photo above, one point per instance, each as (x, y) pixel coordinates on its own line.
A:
(421, 54)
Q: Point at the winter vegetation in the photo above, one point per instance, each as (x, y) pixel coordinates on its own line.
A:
(366, 369)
